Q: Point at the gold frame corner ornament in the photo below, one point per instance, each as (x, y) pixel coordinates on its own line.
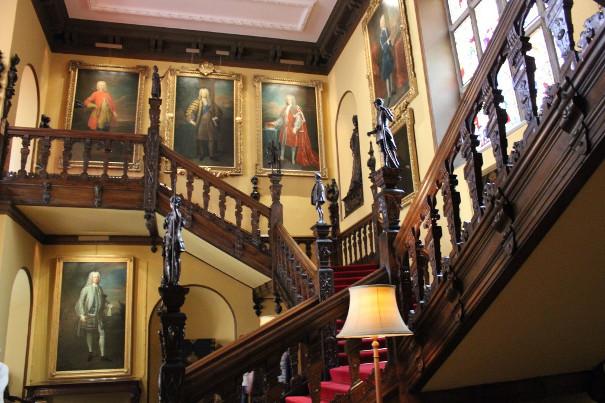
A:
(207, 70)
(318, 86)
(73, 68)
(400, 106)
(126, 370)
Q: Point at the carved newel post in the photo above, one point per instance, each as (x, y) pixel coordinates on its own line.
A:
(388, 192)
(277, 214)
(333, 194)
(172, 333)
(325, 274)
(152, 159)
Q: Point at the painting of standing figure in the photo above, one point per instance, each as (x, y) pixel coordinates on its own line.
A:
(92, 309)
(105, 98)
(290, 118)
(389, 53)
(204, 117)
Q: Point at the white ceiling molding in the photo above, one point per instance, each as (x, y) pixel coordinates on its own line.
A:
(284, 19)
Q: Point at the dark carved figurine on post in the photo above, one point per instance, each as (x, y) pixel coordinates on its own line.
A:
(156, 86)
(318, 196)
(384, 136)
(173, 244)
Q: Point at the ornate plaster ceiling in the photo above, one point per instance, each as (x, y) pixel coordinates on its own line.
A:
(300, 20)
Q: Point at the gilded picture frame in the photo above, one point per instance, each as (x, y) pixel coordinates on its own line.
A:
(121, 111)
(388, 51)
(91, 320)
(290, 115)
(216, 145)
(405, 139)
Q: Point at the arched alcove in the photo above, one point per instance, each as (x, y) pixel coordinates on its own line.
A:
(209, 316)
(17, 332)
(346, 158)
(27, 113)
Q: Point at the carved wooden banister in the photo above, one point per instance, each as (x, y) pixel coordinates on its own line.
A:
(296, 274)
(297, 330)
(16, 131)
(213, 180)
(451, 269)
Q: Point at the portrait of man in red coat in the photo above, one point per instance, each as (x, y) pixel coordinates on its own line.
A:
(103, 109)
(293, 134)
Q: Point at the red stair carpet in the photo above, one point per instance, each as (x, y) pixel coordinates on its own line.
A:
(340, 379)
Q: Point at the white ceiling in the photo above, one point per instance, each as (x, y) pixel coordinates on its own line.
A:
(300, 20)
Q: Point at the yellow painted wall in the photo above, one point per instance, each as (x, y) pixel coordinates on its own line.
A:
(147, 274)
(350, 73)
(17, 249)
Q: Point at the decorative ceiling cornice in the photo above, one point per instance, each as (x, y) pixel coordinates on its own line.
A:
(69, 35)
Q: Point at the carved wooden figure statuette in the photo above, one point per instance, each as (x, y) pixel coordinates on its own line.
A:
(318, 197)
(384, 136)
(173, 243)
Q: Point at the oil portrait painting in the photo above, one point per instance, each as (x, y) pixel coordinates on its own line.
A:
(290, 122)
(92, 308)
(389, 53)
(204, 125)
(104, 98)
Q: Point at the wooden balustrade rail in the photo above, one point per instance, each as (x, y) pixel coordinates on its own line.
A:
(296, 274)
(295, 331)
(116, 151)
(358, 244)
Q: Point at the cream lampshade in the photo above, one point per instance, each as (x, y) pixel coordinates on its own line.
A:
(373, 312)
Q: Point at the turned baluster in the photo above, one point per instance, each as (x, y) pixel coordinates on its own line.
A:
(222, 203)
(351, 245)
(407, 301)
(371, 237)
(67, 147)
(312, 364)
(562, 30)
(25, 143)
(44, 155)
(364, 237)
(523, 68)
(238, 213)
(255, 219)
(472, 168)
(355, 247)
(451, 205)
(106, 153)
(173, 173)
(86, 159)
(206, 195)
(189, 186)
(309, 248)
(127, 148)
(433, 238)
(496, 126)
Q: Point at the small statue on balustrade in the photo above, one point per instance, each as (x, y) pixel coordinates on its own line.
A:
(384, 136)
(318, 197)
(173, 243)
(156, 85)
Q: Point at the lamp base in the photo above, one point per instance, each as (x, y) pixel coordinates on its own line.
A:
(377, 374)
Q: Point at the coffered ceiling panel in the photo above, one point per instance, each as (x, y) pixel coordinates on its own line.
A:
(300, 20)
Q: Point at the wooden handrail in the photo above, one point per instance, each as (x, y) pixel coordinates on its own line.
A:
(214, 181)
(17, 131)
(266, 343)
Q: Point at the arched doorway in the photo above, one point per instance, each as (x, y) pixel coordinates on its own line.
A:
(17, 332)
(27, 114)
(209, 316)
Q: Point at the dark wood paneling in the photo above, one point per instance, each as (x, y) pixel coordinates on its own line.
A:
(68, 35)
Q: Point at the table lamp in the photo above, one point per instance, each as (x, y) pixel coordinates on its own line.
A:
(373, 313)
